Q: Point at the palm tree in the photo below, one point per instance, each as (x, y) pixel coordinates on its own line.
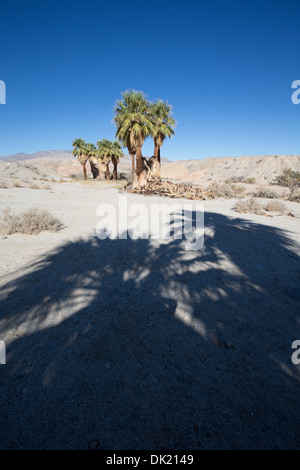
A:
(164, 125)
(116, 155)
(93, 159)
(105, 150)
(80, 151)
(133, 121)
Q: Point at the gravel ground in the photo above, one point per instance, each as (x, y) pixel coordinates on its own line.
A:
(137, 344)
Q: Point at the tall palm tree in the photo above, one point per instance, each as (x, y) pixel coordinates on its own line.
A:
(91, 151)
(80, 151)
(164, 125)
(105, 150)
(133, 121)
(116, 155)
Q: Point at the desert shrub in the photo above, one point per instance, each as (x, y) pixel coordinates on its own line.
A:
(237, 189)
(32, 221)
(295, 197)
(289, 178)
(228, 181)
(34, 186)
(250, 180)
(3, 185)
(17, 184)
(266, 193)
(47, 187)
(249, 205)
(237, 179)
(225, 190)
(221, 190)
(275, 206)
(217, 189)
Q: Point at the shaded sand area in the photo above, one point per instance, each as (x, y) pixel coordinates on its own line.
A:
(136, 344)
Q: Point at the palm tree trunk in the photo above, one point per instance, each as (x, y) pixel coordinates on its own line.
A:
(84, 171)
(102, 169)
(141, 175)
(107, 172)
(94, 170)
(156, 163)
(139, 161)
(132, 166)
(156, 148)
(115, 174)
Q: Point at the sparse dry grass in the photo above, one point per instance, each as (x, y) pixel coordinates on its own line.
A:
(17, 184)
(275, 206)
(250, 180)
(225, 190)
(30, 222)
(237, 189)
(235, 179)
(249, 205)
(295, 197)
(266, 193)
(34, 186)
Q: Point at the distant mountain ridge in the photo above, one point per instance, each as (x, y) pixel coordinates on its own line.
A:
(62, 162)
(62, 154)
(40, 154)
(262, 169)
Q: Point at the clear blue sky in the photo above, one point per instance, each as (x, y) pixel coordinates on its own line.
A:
(225, 65)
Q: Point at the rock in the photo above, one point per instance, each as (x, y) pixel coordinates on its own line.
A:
(174, 190)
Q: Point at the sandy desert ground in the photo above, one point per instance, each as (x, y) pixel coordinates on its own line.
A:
(137, 344)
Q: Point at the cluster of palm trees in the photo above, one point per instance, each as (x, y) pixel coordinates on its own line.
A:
(99, 157)
(136, 118)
